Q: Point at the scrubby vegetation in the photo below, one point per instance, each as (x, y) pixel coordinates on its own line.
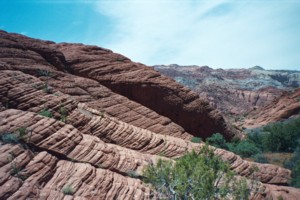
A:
(47, 75)
(46, 113)
(68, 190)
(282, 137)
(195, 176)
(132, 174)
(63, 114)
(196, 140)
(294, 165)
(15, 137)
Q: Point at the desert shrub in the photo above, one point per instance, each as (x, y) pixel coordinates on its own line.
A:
(217, 140)
(15, 168)
(194, 176)
(15, 137)
(282, 137)
(63, 114)
(48, 75)
(260, 158)
(68, 190)
(196, 140)
(240, 189)
(294, 165)
(15, 171)
(45, 113)
(10, 138)
(256, 136)
(132, 174)
(245, 148)
(278, 137)
(102, 114)
(296, 175)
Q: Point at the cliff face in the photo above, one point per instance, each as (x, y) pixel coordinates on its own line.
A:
(117, 76)
(110, 117)
(234, 91)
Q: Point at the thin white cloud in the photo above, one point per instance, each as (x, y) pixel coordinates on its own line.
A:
(23, 33)
(222, 33)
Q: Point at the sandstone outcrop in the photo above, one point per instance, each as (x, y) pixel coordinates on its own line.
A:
(59, 155)
(285, 107)
(147, 87)
(89, 131)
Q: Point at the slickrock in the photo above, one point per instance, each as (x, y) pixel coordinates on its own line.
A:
(147, 87)
(93, 118)
(280, 192)
(132, 80)
(31, 95)
(64, 139)
(44, 176)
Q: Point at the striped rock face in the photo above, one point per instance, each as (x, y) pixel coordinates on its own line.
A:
(92, 120)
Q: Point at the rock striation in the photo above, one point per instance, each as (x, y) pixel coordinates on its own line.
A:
(93, 119)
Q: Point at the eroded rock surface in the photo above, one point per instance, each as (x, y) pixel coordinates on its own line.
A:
(285, 107)
(147, 87)
(103, 127)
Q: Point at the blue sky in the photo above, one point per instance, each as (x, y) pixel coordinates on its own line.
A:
(217, 33)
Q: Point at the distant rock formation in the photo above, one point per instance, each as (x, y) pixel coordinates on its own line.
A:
(234, 91)
(256, 68)
(94, 119)
(285, 107)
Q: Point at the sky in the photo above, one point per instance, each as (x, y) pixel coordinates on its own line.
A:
(216, 33)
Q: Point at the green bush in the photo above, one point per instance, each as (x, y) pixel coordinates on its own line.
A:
(68, 190)
(245, 148)
(47, 75)
(10, 138)
(46, 113)
(196, 140)
(260, 158)
(16, 137)
(63, 114)
(282, 137)
(296, 175)
(132, 174)
(217, 140)
(278, 137)
(194, 176)
(294, 165)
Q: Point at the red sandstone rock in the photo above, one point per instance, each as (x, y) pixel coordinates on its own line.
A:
(147, 87)
(98, 134)
(288, 105)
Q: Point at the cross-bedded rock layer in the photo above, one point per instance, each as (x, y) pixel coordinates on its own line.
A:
(104, 126)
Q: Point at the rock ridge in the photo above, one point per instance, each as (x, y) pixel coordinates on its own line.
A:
(91, 126)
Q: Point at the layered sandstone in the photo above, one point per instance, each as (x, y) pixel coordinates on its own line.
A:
(104, 126)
